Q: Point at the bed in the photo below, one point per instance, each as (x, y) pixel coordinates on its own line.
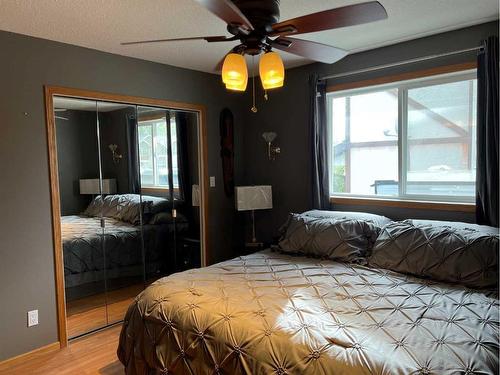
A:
(281, 313)
(89, 249)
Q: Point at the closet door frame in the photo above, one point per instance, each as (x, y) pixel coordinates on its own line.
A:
(50, 92)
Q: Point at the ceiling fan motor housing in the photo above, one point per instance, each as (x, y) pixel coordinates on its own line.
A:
(262, 14)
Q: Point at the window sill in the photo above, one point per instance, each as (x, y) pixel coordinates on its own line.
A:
(152, 189)
(423, 205)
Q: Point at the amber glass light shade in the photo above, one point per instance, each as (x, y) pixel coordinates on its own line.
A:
(235, 72)
(271, 70)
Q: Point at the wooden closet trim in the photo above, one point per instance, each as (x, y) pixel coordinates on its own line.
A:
(50, 92)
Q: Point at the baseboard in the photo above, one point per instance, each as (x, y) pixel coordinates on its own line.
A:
(30, 355)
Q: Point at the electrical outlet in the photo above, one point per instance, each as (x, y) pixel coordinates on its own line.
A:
(212, 181)
(32, 318)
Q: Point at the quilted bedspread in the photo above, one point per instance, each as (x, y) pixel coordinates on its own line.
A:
(270, 313)
(85, 241)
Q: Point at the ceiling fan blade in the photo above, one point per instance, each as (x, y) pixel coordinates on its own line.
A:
(227, 11)
(332, 19)
(311, 50)
(207, 38)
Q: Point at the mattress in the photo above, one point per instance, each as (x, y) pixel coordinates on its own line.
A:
(89, 249)
(270, 313)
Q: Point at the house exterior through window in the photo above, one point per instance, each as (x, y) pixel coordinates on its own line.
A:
(154, 142)
(408, 140)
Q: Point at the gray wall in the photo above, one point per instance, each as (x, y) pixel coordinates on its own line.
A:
(26, 246)
(113, 126)
(76, 158)
(286, 113)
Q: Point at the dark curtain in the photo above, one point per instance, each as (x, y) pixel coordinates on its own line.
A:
(319, 134)
(134, 178)
(182, 124)
(487, 134)
(171, 194)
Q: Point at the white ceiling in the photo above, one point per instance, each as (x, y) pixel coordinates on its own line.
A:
(102, 25)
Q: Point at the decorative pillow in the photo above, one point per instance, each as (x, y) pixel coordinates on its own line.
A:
(95, 207)
(157, 204)
(377, 220)
(129, 208)
(333, 237)
(451, 252)
(124, 207)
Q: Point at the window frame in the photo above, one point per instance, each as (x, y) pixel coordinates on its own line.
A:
(403, 83)
(152, 124)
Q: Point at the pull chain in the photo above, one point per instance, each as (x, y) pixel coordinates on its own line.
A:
(254, 108)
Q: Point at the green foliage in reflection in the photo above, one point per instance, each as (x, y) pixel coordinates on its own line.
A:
(339, 178)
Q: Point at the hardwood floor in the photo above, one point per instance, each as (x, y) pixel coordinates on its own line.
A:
(94, 354)
(86, 314)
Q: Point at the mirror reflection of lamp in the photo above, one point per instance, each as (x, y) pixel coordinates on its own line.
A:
(92, 186)
(195, 195)
(116, 156)
(272, 151)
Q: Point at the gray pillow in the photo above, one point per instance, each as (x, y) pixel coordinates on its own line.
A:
(377, 220)
(454, 225)
(129, 208)
(338, 238)
(157, 204)
(124, 207)
(451, 252)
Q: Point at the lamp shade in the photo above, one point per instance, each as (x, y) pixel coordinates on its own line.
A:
(195, 195)
(235, 72)
(91, 186)
(254, 197)
(271, 70)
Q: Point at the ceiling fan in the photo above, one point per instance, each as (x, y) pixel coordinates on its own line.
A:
(255, 23)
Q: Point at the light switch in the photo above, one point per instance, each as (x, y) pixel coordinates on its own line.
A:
(212, 181)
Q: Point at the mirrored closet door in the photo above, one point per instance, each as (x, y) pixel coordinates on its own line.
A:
(79, 167)
(121, 209)
(169, 170)
(130, 201)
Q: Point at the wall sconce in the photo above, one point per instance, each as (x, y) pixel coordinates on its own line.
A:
(272, 151)
(116, 156)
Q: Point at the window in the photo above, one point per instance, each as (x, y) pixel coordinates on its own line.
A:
(413, 140)
(154, 153)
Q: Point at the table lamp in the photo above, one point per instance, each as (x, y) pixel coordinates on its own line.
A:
(251, 198)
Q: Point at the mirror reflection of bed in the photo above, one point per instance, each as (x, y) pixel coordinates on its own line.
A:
(129, 197)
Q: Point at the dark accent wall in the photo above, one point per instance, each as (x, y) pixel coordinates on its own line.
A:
(76, 158)
(26, 245)
(286, 112)
(113, 127)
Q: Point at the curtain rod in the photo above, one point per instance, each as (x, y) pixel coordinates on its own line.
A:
(400, 63)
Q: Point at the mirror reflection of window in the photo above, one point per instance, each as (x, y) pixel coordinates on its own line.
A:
(153, 153)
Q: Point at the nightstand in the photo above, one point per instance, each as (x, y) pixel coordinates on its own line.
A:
(188, 253)
(250, 248)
